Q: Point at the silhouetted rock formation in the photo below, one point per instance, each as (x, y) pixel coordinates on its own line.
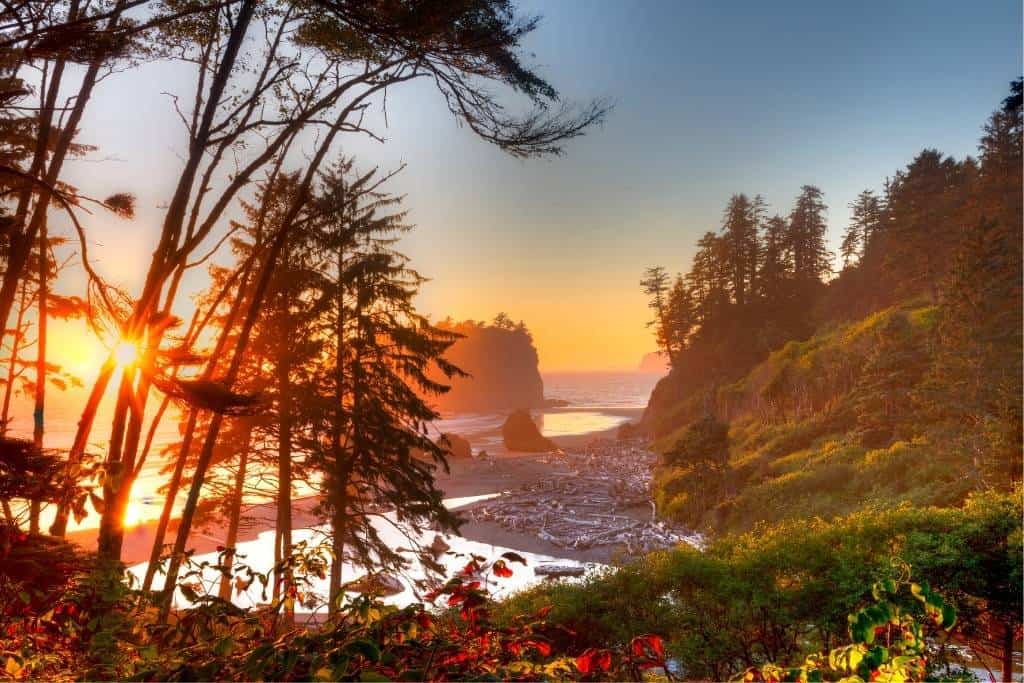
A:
(502, 363)
(655, 361)
(520, 433)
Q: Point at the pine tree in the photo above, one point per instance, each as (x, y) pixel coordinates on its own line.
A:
(681, 317)
(708, 280)
(812, 261)
(924, 212)
(375, 376)
(864, 222)
(655, 284)
(776, 265)
(740, 244)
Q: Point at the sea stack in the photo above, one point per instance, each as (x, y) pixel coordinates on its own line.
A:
(520, 433)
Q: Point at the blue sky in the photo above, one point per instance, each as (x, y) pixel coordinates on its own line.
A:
(711, 98)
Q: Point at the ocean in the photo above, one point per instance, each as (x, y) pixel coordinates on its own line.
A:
(598, 401)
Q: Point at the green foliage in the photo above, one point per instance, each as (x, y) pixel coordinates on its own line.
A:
(914, 371)
(704, 439)
(888, 643)
(825, 427)
(694, 472)
(783, 592)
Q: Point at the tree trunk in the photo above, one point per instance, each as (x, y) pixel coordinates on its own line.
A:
(172, 493)
(40, 394)
(21, 243)
(118, 478)
(1007, 658)
(339, 482)
(284, 472)
(99, 387)
(234, 520)
(12, 368)
(49, 88)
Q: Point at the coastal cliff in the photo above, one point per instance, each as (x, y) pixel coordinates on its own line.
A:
(502, 363)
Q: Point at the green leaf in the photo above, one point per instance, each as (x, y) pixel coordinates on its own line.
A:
(365, 648)
(948, 617)
(224, 646)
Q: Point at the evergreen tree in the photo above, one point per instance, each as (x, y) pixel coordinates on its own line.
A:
(708, 280)
(681, 317)
(655, 285)
(812, 260)
(374, 376)
(923, 214)
(740, 244)
(776, 264)
(864, 222)
(883, 395)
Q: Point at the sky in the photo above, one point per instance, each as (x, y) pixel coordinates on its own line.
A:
(711, 99)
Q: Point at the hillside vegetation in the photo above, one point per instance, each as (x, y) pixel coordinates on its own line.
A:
(795, 396)
(812, 432)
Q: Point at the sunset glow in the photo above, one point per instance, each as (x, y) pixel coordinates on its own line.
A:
(126, 353)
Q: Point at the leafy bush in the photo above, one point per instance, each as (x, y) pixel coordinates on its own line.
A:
(888, 642)
(783, 592)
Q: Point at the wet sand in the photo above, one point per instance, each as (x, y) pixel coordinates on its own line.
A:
(501, 471)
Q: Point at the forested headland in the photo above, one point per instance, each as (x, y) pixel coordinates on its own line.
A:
(501, 366)
(804, 385)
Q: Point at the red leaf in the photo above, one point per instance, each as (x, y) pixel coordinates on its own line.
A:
(501, 569)
(585, 662)
(655, 644)
(649, 646)
(540, 646)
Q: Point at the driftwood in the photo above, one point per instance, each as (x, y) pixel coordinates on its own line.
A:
(597, 497)
(557, 570)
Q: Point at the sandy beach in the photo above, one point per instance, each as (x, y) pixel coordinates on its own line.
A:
(501, 471)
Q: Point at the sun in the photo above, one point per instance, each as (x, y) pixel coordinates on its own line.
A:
(126, 353)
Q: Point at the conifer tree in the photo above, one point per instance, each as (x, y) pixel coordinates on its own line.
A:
(376, 383)
(864, 222)
(776, 265)
(740, 244)
(655, 285)
(812, 260)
